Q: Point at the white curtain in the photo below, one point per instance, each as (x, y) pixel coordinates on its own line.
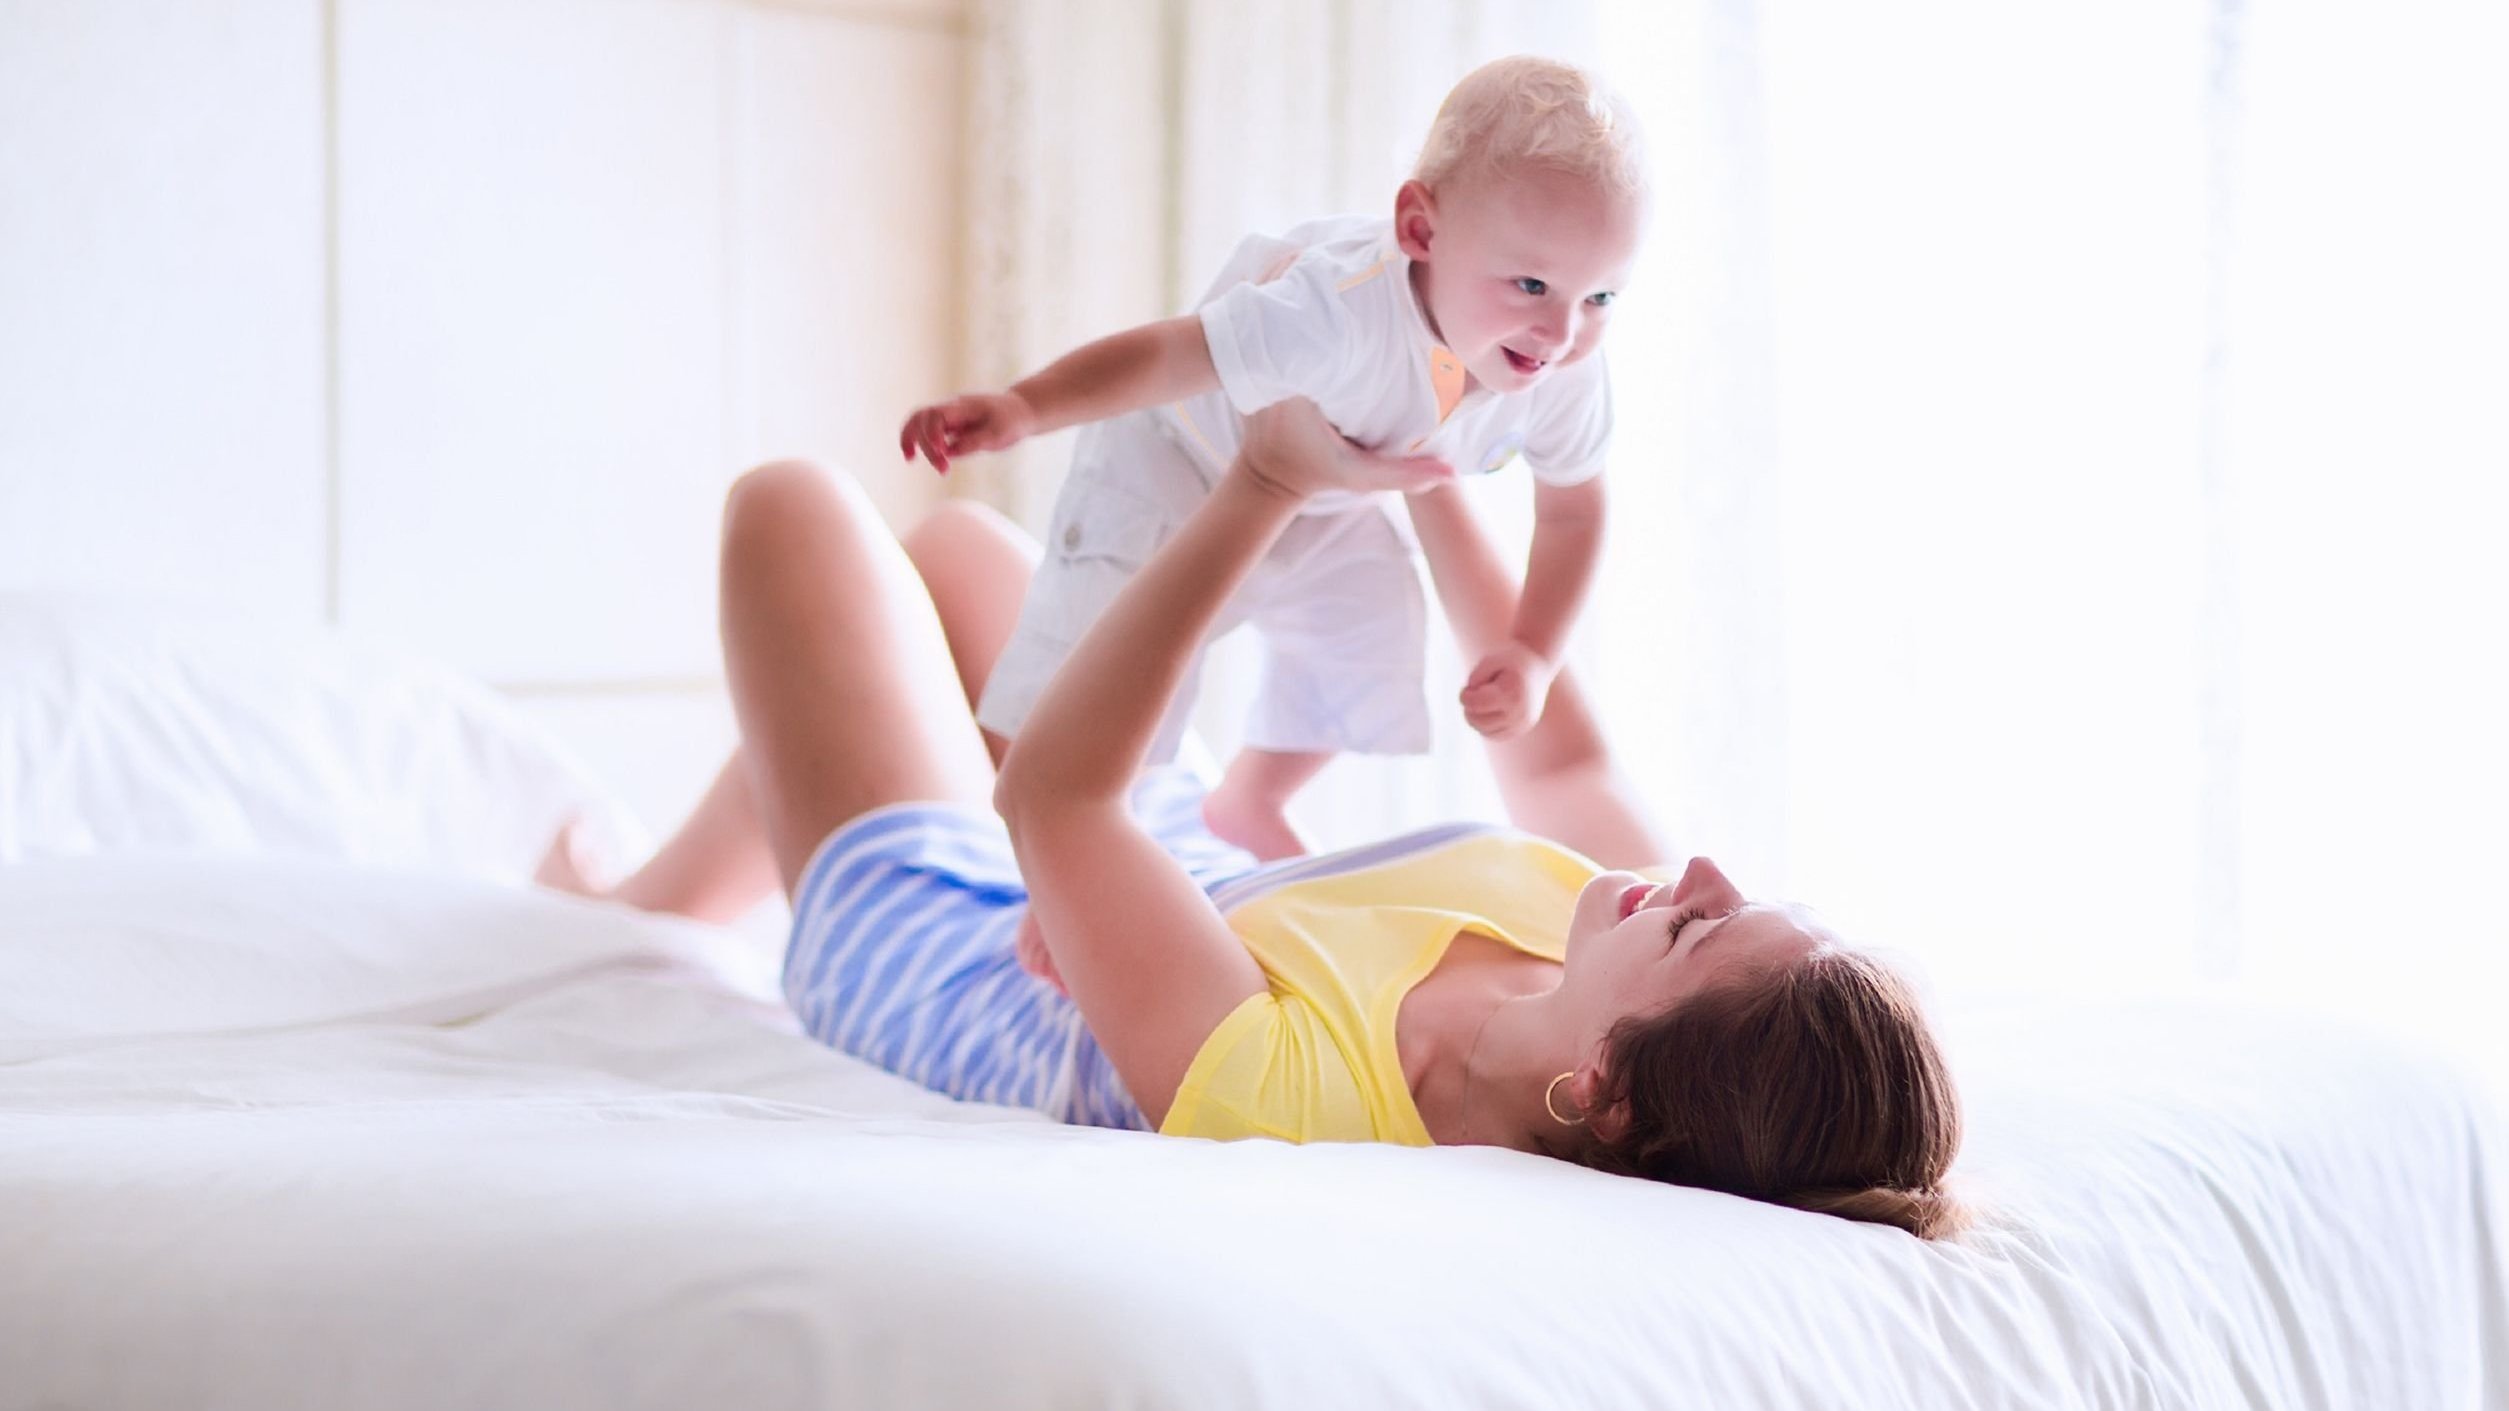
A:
(1066, 201)
(2061, 484)
(2366, 402)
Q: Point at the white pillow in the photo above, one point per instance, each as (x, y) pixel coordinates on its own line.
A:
(145, 728)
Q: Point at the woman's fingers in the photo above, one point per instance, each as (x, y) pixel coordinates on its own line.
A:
(1034, 957)
(1298, 448)
(1374, 470)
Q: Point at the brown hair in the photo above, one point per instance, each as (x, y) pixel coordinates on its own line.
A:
(1814, 1085)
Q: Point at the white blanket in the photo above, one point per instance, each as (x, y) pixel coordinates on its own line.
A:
(288, 1134)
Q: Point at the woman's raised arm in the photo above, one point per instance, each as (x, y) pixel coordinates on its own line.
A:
(1147, 958)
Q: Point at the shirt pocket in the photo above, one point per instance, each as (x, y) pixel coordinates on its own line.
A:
(1110, 526)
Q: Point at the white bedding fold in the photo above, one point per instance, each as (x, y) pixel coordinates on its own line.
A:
(113, 949)
(620, 1186)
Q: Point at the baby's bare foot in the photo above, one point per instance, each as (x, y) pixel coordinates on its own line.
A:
(1257, 825)
(572, 864)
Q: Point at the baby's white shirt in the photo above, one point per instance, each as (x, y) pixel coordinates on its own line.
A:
(1327, 312)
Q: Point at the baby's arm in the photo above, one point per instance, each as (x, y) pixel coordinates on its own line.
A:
(1139, 367)
(1505, 692)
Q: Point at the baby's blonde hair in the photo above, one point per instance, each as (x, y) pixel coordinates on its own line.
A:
(1525, 110)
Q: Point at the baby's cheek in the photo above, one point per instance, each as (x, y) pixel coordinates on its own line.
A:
(1579, 351)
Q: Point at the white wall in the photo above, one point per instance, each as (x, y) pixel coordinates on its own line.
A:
(448, 320)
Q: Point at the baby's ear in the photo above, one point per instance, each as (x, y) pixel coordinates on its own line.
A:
(1415, 219)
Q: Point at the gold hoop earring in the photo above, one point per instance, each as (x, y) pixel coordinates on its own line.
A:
(1552, 1107)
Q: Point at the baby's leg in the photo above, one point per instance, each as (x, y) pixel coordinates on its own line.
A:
(1344, 638)
(1250, 805)
(1129, 488)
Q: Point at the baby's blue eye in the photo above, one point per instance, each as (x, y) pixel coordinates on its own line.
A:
(1603, 299)
(1533, 286)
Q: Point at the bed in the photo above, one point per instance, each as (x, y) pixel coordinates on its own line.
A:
(352, 1118)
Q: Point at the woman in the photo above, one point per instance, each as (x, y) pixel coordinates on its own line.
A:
(1462, 986)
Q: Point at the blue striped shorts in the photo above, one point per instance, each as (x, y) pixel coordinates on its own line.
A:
(902, 953)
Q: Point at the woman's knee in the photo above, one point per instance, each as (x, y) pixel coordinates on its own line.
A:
(773, 491)
(961, 531)
(963, 516)
(792, 503)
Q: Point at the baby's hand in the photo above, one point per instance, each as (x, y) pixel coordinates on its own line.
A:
(1506, 691)
(964, 425)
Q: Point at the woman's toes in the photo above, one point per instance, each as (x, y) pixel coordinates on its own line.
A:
(569, 865)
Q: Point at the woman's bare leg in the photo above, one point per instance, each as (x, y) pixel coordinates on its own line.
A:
(978, 564)
(1558, 779)
(839, 669)
(714, 868)
(975, 566)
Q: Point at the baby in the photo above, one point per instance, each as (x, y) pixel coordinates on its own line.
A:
(1465, 328)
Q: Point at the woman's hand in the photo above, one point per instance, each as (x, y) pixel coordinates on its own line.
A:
(1034, 957)
(1292, 451)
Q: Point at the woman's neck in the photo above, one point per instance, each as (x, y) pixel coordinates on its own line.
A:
(1442, 1027)
(1512, 1061)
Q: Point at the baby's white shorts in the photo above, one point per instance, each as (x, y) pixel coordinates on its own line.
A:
(1337, 602)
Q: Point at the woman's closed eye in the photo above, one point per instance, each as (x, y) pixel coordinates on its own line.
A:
(1672, 932)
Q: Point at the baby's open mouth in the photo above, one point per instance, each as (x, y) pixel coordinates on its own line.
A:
(1521, 363)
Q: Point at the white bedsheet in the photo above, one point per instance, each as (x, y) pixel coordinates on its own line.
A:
(283, 1134)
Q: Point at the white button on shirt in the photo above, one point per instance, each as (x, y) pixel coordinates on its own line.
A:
(1326, 312)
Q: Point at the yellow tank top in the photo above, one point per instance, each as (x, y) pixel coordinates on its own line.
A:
(1343, 938)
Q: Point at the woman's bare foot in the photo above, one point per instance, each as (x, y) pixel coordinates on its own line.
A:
(572, 864)
(1261, 826)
